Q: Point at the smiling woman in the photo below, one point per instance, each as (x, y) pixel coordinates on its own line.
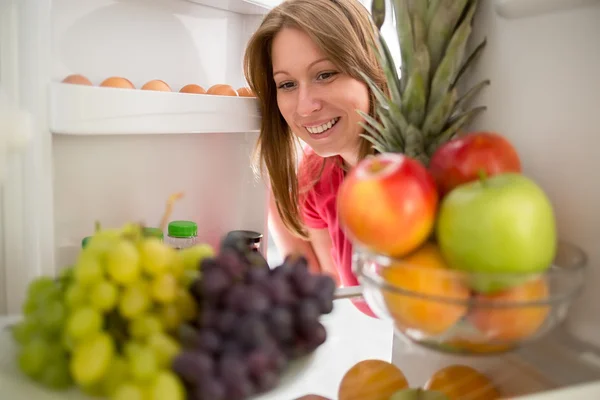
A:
(304, 64)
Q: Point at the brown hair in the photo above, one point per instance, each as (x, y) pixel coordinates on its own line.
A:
(345, 33)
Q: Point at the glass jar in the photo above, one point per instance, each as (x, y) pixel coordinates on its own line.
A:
(252, 239)
(182, 234)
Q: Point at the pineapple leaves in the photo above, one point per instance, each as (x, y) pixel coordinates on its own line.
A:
(442, 17)
(413, 106)
(415, 146)
(470, 94)
(404, 29)
(470, 60)
(454, 125)
(378, 12)
(448, 70)
(437, 118)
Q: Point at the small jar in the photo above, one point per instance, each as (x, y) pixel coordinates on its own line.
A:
(182, 234)
(252, 239)
(153, 232)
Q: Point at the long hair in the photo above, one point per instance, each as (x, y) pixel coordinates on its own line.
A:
(344, 31)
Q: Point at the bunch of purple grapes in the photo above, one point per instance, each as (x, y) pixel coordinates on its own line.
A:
(253, 321)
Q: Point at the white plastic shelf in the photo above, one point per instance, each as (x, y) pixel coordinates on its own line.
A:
(252, 7)
(513, 9)
(89, 110)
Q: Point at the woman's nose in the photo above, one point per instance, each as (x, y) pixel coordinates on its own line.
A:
(307, 103)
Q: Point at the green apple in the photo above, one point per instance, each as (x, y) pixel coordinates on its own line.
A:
(500, 228)
(418, 394)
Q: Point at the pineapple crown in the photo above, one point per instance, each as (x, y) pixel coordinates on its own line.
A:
(424, 108)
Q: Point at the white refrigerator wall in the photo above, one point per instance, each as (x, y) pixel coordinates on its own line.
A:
(545, 98)
(115, 178)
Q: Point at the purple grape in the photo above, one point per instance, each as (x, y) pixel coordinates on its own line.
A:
(213, 283)
(225, 321)
(208, 317)
(279, 291)
(232, 347)
(207, 264)
(283, 271)
(281, 324)
(267, 381)
(208, 389)
(209, 341)
(235, 297)
(239, 390)
(234, 374)
(258, 362)
(257, 261)
(192, 366)
(316, 336)
(325, 302)
(325, 285)
(189, 336)
(257, 275)
(255, 300)
(305, 284)
(307, 313)
(233, 264)
(251, 331)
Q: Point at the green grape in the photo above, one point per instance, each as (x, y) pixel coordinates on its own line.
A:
(123, 262)
(92, 358)
(170, 316)
(193, 256)
(134, 300)
(188, 277)
(41, 294)
(53, 316)
(186, 304)
(143, 364)
(117, 374)
(145, 325)
(24, 331)
(83, 322)
(32, 357)
(165, 348)
(176, 264)
(56, 374)
(164, 288)
(39, 285)
(104, 296)
(128, 391)
(89, 269)
(155, 256)
(76, 295)
(166, 386)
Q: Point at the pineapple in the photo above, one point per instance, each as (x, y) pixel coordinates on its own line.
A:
(423, 109)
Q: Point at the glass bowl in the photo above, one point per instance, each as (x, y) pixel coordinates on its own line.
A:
(436, 307)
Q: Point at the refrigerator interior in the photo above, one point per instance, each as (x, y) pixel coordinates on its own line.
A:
(116, 155)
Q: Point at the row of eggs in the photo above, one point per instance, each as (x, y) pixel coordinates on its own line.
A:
(161, 86)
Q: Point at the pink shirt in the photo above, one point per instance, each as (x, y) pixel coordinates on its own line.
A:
(318, 186)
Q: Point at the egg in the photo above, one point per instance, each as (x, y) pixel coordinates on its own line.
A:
(245, 92)
(192, 88)
(77, 79)
(222, 90)
(157, 85)
(117, 82)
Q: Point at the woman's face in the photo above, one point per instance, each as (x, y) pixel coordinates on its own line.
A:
(316, 99)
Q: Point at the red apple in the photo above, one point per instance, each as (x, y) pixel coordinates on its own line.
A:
(462, 160)
(388, 203)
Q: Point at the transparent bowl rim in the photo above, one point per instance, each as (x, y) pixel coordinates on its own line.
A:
(574, 271)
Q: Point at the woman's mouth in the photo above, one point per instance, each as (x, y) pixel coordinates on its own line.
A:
(323, 128)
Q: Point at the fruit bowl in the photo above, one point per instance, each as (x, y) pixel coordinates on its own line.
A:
(436, 307)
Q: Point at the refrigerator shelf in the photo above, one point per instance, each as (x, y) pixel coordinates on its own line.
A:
(85, 110)
(513, 9)
(251, 7)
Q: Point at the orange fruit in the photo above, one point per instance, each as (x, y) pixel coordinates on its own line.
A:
(371, 380)
(467, 346)
(425, 273)
(460, 382)
(510, 324)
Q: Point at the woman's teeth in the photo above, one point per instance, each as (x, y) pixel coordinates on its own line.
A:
(322, 128)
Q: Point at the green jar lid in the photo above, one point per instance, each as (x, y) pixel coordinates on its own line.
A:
(153, 232)
(183, 229)
(85, 241)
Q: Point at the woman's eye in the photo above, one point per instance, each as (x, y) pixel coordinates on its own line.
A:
(326, 75)
(285, 85)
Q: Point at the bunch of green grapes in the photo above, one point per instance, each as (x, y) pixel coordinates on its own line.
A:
(41, 353)
(125, 298)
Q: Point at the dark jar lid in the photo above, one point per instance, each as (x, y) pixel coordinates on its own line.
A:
(251, 237)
